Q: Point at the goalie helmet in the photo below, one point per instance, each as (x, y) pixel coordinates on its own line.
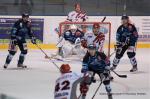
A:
(74, 27)
(65, 68)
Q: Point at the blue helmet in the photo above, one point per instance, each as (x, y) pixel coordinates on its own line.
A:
(124, 17)
(91, 46)
(25, 15)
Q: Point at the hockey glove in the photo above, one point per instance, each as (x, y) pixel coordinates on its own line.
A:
(84, 89)
(13, 41)
(84, 69)
(33, 40)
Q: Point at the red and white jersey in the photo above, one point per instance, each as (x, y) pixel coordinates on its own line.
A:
(64, 85)
(97, 40)
(74, 16)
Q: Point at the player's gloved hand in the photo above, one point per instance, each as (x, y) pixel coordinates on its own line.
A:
(33, 40)
(84, 69)
(13, 41)
(120, 44)
(107, 67)
(112, 68)
(84, 89)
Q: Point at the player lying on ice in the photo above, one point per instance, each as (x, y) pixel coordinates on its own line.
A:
(98, 63)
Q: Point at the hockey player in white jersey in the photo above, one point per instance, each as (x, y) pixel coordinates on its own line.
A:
(78, 15)
(66, 84)
(94, 37)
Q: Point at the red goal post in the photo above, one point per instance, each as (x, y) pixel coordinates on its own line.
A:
(87, 26)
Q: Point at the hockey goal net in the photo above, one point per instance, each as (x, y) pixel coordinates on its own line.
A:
(105, 27)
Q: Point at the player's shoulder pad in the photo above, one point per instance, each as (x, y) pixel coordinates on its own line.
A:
(120, 28)
(131, 27)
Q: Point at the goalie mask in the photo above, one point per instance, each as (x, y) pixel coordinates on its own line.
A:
(73, 28)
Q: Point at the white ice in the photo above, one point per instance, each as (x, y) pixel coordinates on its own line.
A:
(38, 81)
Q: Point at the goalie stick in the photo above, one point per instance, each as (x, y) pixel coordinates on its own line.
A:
(47, 56)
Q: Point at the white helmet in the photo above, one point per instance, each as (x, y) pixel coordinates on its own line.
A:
(74, 27)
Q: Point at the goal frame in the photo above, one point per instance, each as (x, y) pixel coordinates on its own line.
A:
(105, 23)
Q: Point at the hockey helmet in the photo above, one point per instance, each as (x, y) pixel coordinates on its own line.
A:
(25, 15)
(91, 46)
(74, 27)
(77, 4)
(124, 17)
(96, 25)
(65, 68)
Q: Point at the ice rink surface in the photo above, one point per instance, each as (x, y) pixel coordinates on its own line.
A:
(38, 81)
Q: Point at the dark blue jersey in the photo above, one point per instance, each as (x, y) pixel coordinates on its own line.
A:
(71, 37)
(129, 32)
(96, 63)
(20, 29)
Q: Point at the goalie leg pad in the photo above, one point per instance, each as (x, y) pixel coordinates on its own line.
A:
(67, 49)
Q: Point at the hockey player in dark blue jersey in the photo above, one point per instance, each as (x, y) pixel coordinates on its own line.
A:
(20, 29)
(126, 39)
(98, 63)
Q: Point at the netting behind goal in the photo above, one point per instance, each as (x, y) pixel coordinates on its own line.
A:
(105, 27)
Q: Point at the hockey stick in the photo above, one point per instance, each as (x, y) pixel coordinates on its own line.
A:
(97, 89)
(121, 76)
(103, 19)
(47, 56)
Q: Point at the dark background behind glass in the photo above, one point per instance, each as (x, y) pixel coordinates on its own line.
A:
(62, 7)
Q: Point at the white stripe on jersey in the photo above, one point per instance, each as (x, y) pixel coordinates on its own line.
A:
(73, 16)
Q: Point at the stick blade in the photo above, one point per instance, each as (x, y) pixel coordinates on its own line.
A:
(123, 76)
